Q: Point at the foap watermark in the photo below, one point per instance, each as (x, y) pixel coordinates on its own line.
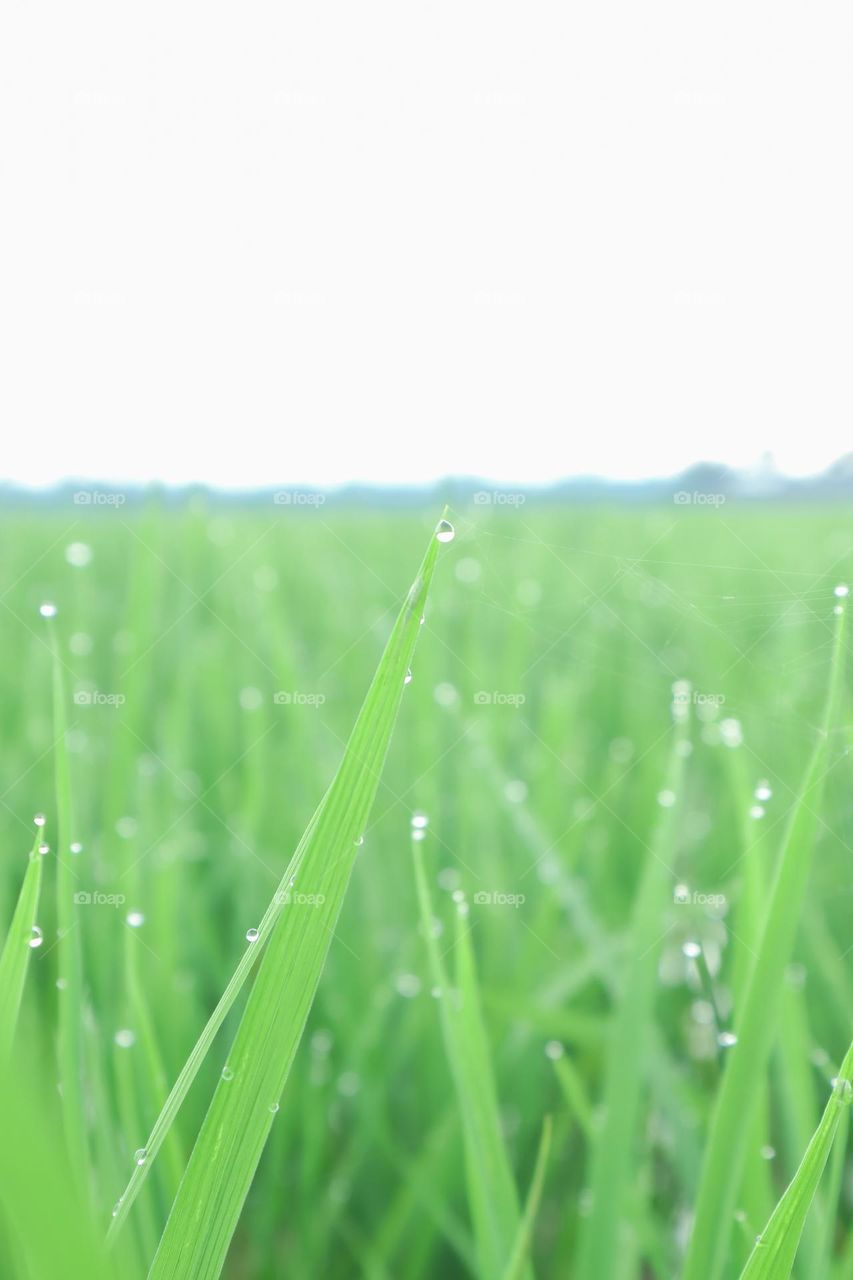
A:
(695, 498)
(94, 898)
(292, 898)
(684, 896)
(698, 698)
(298, 498)
(97, 698)
(498, 698)
(98, 498)
(293, 698)
(496, 498)
(497, 898)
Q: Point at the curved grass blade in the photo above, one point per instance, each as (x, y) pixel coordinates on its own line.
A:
(491, 1190)
(516, 1263)
(16, 951)
(755, 1021)
(831, 1202)
(223, 1162)
(776, 1247)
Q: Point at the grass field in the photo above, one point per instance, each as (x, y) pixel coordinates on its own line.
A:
(624, 902)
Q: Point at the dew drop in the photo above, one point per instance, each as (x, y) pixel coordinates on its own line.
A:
(702, 1012)
(407, 985)
(125, 1038)
(61, 984)
(140, 1156)
(418, 833)
(359, 842)
(75, 847)
(39, 819)
(842, 590)
(469, 570)
(554, 1050)
(37, 937)
(843, 1088)
(43, 849)
(78, 554)
(446, 695)
(666, 799)
(756, 811)
(419, 821)
(407, 679)
(227, 1073)
(251, 699)
(273, 1108)
(516, 791)
(692, 950)
(349, 1084)
(252, 935)
(444, 531)
(768, 1153)
(726, 1039)
(321, 1042)
(763, 790)
(47, 610)
(135, 919)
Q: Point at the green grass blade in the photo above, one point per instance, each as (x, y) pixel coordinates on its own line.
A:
(17, 950)
(755, 1021)
(832, 1200)
(614, 1148)
(237, 1124)
(516, 1263)
(69, 954)
(189, 1071)
(574, 1092)
(776, 1247)
(491, 1189)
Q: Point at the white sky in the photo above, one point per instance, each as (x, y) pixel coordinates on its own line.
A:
(387, 242)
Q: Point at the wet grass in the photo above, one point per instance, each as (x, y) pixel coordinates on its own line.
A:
(597, 1001)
